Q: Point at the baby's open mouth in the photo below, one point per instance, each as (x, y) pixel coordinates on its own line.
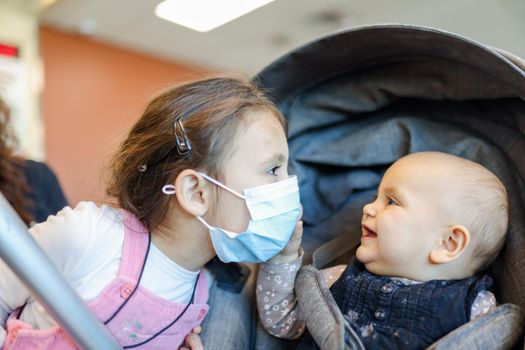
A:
(368, 233)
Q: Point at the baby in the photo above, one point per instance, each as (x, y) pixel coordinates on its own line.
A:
(438, 220)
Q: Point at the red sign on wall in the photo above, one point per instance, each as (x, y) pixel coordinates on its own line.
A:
(9, 50)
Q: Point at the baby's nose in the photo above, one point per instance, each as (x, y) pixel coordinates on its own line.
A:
(369, 210)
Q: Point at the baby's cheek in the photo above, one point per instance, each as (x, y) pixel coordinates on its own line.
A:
(388, 249)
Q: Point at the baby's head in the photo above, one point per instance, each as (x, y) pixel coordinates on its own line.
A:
(436, 216)
(227, 121)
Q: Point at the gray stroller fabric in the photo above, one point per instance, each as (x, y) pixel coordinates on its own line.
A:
(359, 100)
(497, 330)
(333, 332)
(230, 323)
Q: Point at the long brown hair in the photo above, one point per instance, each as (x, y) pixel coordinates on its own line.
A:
(211, 111)
(13, 184)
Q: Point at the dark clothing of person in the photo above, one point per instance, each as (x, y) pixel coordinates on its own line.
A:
(45, 194)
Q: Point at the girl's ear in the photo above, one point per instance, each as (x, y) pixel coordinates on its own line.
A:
(192, 192)
(456, 240)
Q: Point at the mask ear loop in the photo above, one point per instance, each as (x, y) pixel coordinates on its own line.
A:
(209, 227)
(168, 189)
(212, 180)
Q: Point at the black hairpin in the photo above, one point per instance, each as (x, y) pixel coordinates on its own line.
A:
(183, 144)
(143, 168)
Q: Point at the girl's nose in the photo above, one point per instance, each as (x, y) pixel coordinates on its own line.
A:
(369, 210)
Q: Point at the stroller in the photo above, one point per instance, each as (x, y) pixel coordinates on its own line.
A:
(358, 100)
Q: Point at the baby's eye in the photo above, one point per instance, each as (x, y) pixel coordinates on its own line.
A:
(391, 202)
(273, 170)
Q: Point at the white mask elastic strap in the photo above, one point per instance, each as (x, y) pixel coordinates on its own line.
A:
(228, 233)
(168, 189)
(204, 222)
(212, 180)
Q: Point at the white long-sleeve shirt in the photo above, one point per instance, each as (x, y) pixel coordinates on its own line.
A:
(85, 244)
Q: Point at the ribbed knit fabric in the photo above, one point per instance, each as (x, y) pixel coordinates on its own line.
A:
(388, 314)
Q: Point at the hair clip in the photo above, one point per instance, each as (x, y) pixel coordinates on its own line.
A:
(143, 168)
(183, 144)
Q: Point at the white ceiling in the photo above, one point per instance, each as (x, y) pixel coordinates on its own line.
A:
(253, 41)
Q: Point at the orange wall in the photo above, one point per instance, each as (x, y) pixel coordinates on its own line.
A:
(92, 95)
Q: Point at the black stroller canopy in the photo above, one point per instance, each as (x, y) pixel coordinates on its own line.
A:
(359, 99)
(343, 52)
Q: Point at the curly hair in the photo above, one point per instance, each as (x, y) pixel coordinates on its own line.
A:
(13, 184)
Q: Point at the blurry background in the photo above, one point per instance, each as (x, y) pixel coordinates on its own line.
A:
(78, 73)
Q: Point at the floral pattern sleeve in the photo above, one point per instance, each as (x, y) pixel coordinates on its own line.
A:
(276, 301)
(484, 303)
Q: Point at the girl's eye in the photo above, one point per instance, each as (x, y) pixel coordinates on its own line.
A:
(391, 201)
(273, 171)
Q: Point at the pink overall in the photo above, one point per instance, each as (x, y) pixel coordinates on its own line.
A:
(143, 316)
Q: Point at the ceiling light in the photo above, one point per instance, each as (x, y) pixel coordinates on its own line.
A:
(205, 15)
(44, 4)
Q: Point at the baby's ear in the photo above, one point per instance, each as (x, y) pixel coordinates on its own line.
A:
(453, 244)
(191, 192)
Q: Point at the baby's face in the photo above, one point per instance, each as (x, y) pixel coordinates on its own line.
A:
(405, 222)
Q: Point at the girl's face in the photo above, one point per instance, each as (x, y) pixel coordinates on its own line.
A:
(259, 157)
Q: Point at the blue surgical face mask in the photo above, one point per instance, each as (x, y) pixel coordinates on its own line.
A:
(274, 212)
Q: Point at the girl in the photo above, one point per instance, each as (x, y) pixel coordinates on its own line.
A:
(202, 173)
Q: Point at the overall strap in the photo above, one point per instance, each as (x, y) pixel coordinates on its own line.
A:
(135, 247)
(201, 292)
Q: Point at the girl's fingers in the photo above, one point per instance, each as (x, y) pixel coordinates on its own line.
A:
(295, 241)
(193, 341)
(299, 229)
(297, 234)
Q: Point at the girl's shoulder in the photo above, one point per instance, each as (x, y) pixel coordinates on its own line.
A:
(85, 216)
(86, 231)
(87, 209)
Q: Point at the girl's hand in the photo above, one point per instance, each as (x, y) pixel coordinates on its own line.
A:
(291, 251)
(192, 340)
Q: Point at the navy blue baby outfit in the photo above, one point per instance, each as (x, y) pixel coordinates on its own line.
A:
(387, 314)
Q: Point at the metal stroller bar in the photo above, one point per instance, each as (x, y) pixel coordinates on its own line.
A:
(47, 285)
